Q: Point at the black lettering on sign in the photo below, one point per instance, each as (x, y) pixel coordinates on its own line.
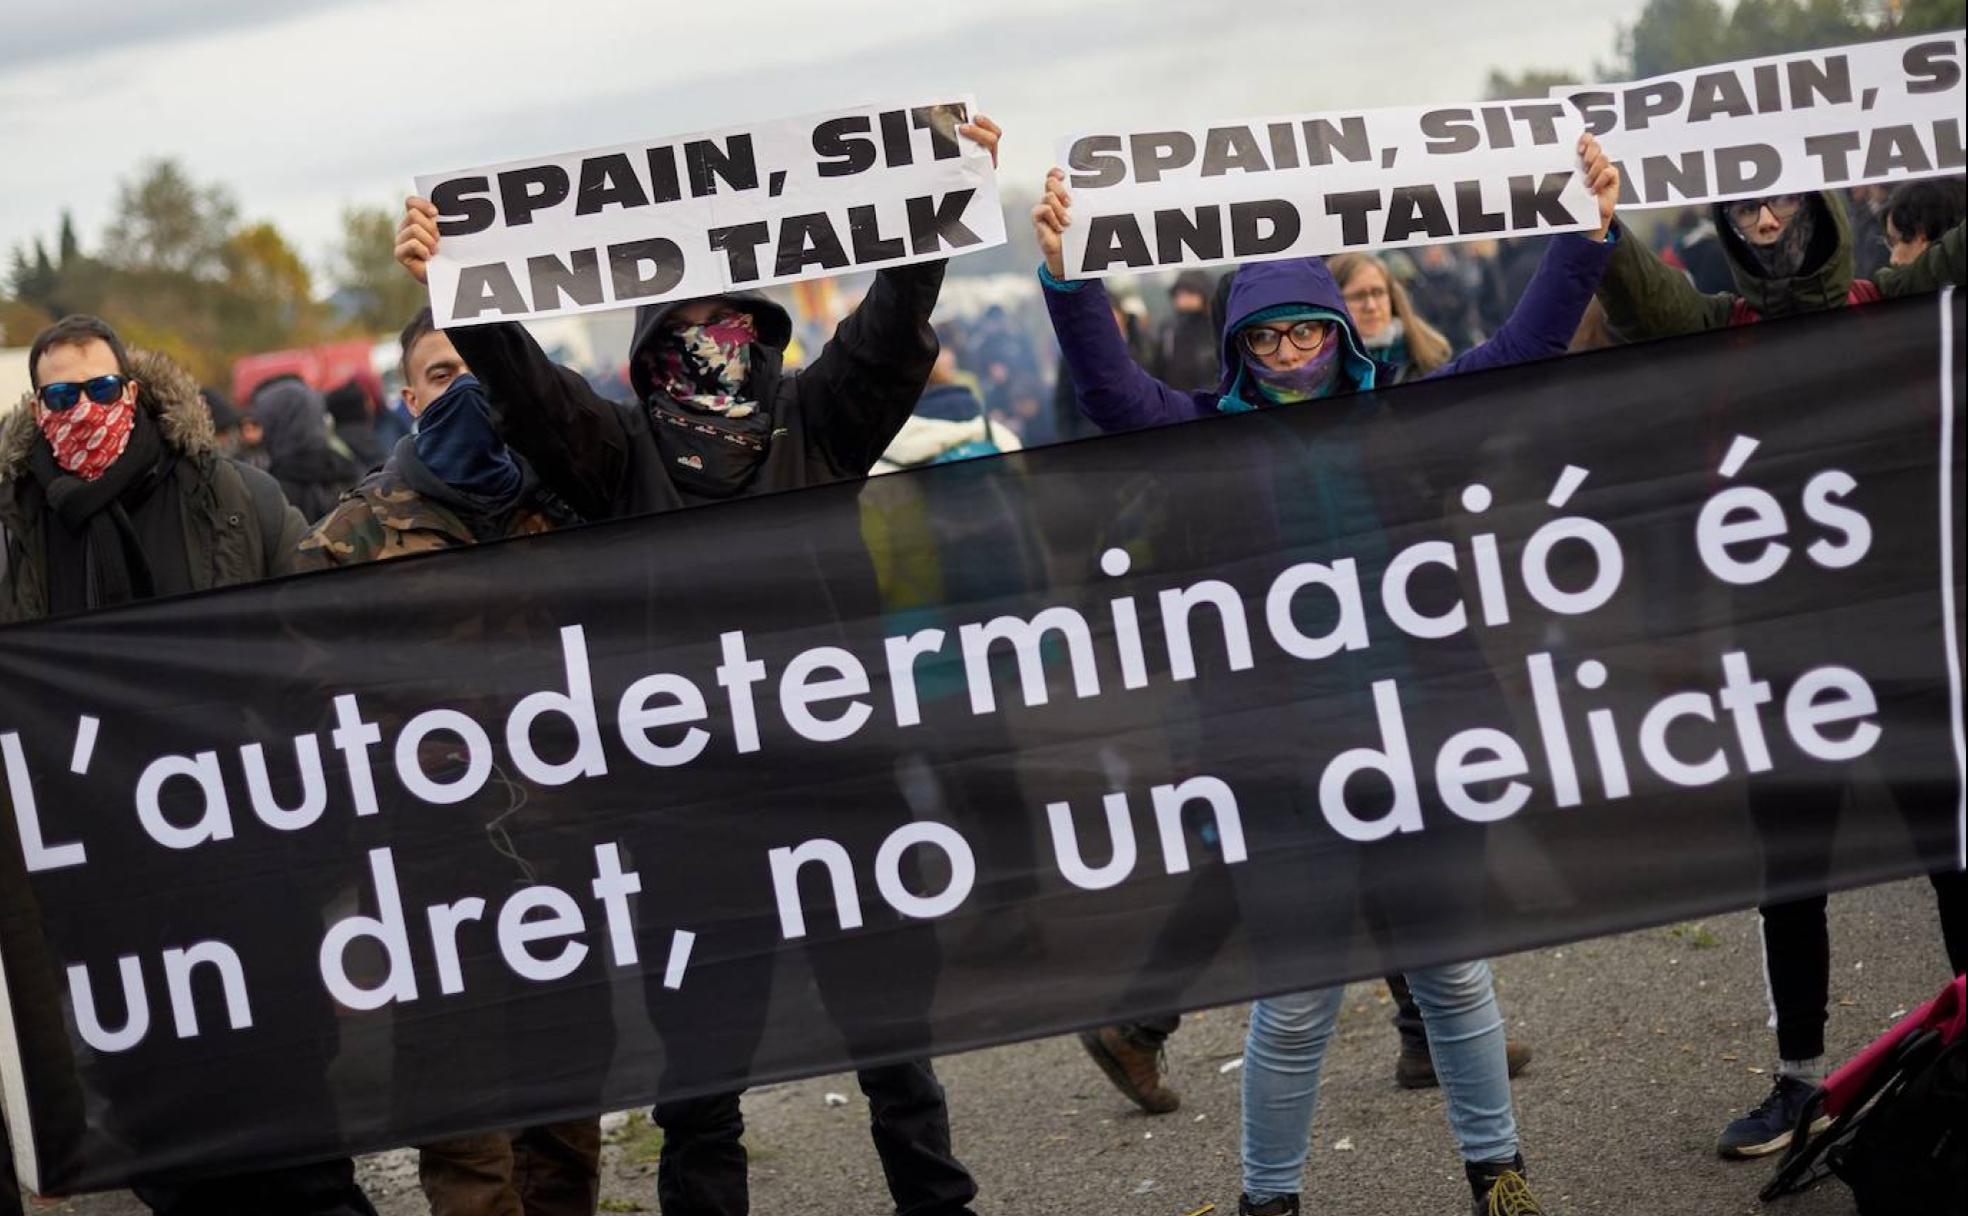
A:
(470, 199)
(1896, 150)
(936, 222)
(535, 188)
(1646, 102)
(1542, 117)
(864, 234)
(1446, 132)
(1931, 67)
(1348, 141)
(1670, 180)
(1353, 207)
(1746, 169)
(1156, 151)
(1261, 227)
(740, 243)
(840, 154)
(579, 277)
(1718, 94)
(1412, 209)
(1199, 233)
(1536, 199)
(1470, 215)
(608, 181)
(1599, 108)
(1228, 148)
(1834, 153)
(487, 288)
(640, 269)
(808, 240)
(663, 184)
(708, 164)
(941, 123)
(1113, 239)
(1284, 148)
(1095, 161)
(1948, 154)
(1813, 81)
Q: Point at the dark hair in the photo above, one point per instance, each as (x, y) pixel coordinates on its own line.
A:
(1927, 208)
(75, 330)
(421, 324)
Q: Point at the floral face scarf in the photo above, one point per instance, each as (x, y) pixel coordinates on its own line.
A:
(1313, 378)
(87, 438)
(708, 367)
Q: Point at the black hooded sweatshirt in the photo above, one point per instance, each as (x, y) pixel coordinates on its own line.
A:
(827, 422)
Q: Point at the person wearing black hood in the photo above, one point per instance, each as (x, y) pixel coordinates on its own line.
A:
(291, 423)
(1185, 349)
(1788, 254)
(352, 410)
(719, 417)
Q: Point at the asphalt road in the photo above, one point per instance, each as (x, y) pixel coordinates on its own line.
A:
(1646, 1045)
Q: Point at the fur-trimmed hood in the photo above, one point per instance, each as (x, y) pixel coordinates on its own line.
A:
(165, 391)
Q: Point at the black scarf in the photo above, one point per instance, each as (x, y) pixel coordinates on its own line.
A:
(95, 558)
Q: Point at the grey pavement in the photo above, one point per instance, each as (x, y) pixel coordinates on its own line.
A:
(1646, 1043)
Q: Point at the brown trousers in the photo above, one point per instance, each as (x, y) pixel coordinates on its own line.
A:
(541, 1171)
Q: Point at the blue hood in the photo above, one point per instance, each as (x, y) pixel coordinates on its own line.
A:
(1257, 286)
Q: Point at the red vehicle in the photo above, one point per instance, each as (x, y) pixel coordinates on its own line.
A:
(330, 365)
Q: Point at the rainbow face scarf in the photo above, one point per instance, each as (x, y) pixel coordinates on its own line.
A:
(708, 367)
(1312, 379)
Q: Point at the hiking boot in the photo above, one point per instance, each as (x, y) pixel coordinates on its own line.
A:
(1414, 1068)
(1277, 1205)
(1767, 1129)
(1134, 1069)
(1499, 1188)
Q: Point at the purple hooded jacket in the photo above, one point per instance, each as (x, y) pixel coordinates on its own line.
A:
(1117, 395)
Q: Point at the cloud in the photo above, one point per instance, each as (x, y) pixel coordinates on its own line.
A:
(43, 32)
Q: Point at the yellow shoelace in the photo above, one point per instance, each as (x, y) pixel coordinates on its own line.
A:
(1511, 1196)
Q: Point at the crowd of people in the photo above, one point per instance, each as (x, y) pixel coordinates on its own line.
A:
(121, 481)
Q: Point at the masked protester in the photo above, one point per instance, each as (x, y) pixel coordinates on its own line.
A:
(1788, 253)
(291, 420)
(718, 416)
(112, 490)
(452, 482)
(1289, 341)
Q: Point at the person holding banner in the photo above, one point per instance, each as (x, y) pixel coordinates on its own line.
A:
(1788, 254)
(1288, 339)
(718, 417)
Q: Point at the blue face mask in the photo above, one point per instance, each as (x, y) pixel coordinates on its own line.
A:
(456, 441)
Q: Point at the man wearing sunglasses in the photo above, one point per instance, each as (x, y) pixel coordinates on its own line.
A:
(113, 490)
(1787, 254)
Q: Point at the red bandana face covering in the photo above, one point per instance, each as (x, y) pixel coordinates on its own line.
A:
(88, 438)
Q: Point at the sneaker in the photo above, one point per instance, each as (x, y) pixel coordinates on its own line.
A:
(1767, 1129)
(1135, 1070)
(1277, 1205)
(1499, 1188)
(1414, 1068)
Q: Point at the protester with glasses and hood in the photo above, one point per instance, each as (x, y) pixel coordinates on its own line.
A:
(1788, 254)
(1288, 341)
(719, 417)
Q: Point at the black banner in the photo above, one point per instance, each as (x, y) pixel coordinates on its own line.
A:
(982, 752)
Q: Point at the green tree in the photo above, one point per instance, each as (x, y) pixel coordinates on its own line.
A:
(1533, 83)
(366, 272)
(166, 222)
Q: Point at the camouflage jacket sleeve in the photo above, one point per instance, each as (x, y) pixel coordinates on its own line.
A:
(347, 536)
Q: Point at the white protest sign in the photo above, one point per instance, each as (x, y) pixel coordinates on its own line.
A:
(1293, 186)
(696, 215)
(1785, 124)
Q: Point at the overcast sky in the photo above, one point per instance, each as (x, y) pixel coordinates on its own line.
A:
(302, 107)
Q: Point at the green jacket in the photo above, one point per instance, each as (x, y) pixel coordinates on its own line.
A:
(238, 526)
(1646, 298)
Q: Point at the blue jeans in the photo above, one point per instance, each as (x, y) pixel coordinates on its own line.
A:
(1287, 1044)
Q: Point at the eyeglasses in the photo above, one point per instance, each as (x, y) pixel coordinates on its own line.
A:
(1366, 295)
(1743, 212)
(1263, 340)
(103, 390)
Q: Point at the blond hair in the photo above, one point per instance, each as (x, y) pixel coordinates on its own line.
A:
(1427, 348)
